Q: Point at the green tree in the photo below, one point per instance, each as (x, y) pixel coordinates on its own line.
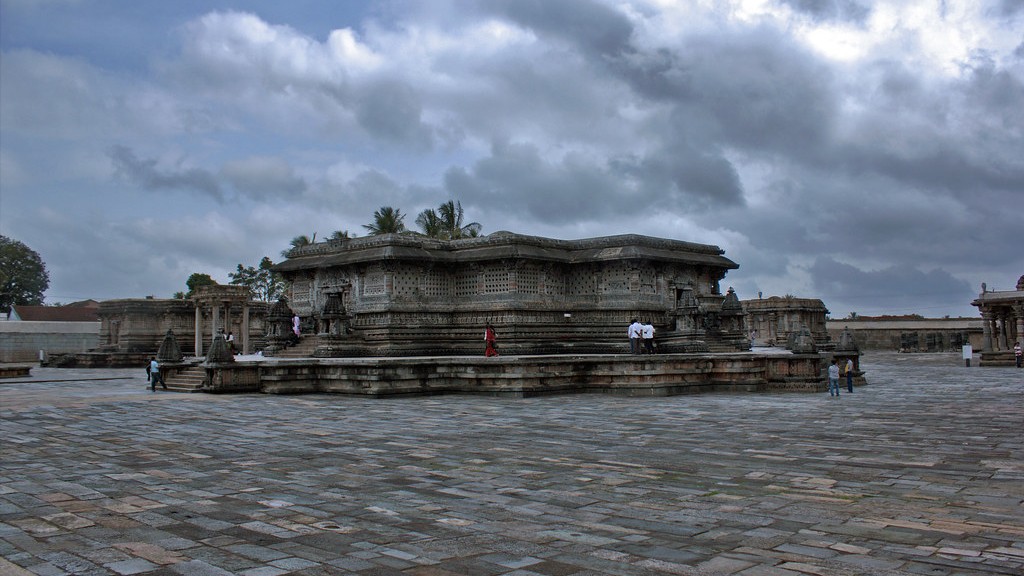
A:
(196, 280)
(430, 224)
(386, 220)
(299, 242)
(447, 222)
(264, 283)
(23, 276)
(341, 235)
(452, 216)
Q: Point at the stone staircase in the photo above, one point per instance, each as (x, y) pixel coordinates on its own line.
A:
(188, 380)
(304, 349)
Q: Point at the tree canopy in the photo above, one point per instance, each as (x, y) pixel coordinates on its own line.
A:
(23, 275)
(447, 222)
(299, 242)
(265, 284)
(386, 220)
(196, 280)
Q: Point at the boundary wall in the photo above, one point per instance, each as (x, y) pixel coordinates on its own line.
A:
(21, 341)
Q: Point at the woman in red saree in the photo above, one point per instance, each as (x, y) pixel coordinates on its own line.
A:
(489, 338)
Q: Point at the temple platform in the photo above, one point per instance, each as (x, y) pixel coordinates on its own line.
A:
(523, 376)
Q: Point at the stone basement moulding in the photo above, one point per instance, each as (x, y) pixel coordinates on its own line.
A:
(524, 376)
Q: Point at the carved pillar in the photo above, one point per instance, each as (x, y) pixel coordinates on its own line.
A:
(1019, 310)
(227, 317)
(986, 330)
(199, 329)
(246, 349)
(1002, 330)
(214, 321)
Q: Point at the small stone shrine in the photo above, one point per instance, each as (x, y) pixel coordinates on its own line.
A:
(774, 320)
(409, 295)
(1002, 314)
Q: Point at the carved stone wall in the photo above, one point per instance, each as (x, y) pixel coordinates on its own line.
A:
(138, 325)
(772, 320)
(411, 295)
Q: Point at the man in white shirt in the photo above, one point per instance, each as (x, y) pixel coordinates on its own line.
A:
(647, 330)
(833, 379)
(634, 333)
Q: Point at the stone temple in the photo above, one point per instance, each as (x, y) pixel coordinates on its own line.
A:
(409, 295)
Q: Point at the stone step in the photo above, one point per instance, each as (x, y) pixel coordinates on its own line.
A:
(188, 380)
(304, 349)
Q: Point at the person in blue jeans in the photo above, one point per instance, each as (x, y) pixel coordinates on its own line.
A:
(155, 375)
(849, 375)
(833, 379)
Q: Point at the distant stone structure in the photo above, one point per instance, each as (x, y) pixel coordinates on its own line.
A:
(409, 295)
(1002, 314)
(909, 333)
(775, 320)
(132, 330)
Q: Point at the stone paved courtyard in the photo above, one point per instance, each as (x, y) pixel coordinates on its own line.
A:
(922, 472)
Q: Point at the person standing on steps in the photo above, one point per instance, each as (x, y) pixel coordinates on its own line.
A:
(634, 336)
(833, 379)
(155, 375)
(489, 339)
(1018, 353)
(647, 332)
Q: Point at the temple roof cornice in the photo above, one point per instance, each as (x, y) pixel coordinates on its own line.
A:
(503, 245)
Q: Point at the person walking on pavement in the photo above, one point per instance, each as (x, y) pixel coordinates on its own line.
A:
(833, 379)
(849, 375)
(155, 375)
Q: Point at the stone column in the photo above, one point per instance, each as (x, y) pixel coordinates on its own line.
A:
(1019, 310)
(227, 317)
(1003, 330)
(215, 321)
(199, 329)
(986, 330)
(245, 330)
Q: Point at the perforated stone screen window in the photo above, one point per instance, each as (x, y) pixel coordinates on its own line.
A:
(496, 282)
(436, 283)
(582, 282)
(465, 284)
(529, 281)
(616, 278)
(406, 282)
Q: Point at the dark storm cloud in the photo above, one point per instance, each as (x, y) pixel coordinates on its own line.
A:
(518, 179)
(146, 174)
(1009, 8)
(391, 110)
(684, 178)
(521, 180)
(262, 178)
(894, 287)
(752, 89)
(594, 28)
(832, 10)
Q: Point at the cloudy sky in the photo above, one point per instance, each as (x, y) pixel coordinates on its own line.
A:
(870, 154)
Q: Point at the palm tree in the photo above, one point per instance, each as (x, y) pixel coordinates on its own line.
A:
(430, 224)
(341, 235)
(299, 242)
(386, 220)
(451, 216)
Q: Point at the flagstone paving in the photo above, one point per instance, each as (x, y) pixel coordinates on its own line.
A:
(921, 472)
